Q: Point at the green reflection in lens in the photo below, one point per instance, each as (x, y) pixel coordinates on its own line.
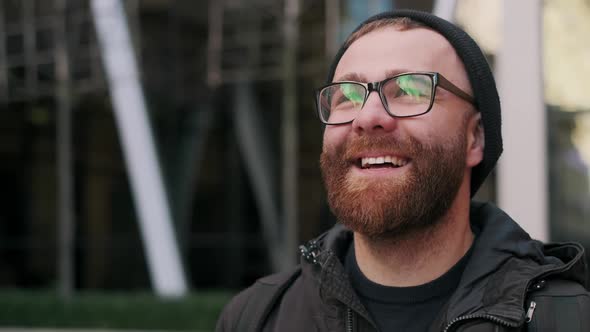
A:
(352, 93)
(408, 84)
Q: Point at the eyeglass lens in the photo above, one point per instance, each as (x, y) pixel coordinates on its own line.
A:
(404, 95)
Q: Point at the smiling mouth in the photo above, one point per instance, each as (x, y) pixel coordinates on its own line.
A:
(382, 162)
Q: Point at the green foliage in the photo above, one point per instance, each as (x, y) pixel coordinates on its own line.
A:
(140, 311)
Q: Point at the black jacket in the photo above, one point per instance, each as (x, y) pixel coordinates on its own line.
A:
(508, 280)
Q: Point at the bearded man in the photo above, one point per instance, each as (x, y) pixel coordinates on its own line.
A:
(412, 129)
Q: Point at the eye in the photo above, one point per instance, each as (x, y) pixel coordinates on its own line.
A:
(416, 86)
(352, 93)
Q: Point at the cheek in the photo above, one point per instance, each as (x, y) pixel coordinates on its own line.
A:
(335, 136)
(444, 121)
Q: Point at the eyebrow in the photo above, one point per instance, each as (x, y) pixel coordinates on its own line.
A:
(393, 72)
(357, 77)
(352, 77)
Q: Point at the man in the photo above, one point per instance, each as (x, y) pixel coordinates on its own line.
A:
(412, 129)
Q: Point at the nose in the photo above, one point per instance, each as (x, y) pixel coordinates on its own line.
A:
(373, 117)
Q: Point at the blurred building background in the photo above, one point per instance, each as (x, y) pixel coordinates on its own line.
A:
(226, 87)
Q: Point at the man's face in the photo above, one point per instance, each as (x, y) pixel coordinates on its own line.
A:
(428, 153)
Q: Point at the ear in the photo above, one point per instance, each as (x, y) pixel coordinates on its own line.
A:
(475, 140)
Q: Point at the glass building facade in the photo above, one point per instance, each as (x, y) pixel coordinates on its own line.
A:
(213, 77)
(566, 68)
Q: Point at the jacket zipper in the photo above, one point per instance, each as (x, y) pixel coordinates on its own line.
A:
(348, 320)
(530, 312)
(487, 317)
(528, 317)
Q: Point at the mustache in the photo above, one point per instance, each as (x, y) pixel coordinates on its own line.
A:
(408, 146)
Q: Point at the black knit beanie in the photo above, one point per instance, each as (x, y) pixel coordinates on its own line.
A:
(480, 77)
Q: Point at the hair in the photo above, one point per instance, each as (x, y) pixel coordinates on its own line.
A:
(400, 23)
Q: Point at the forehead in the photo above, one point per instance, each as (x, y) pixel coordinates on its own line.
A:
(388, 50)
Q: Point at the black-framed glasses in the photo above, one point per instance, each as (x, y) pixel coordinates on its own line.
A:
(404, 95)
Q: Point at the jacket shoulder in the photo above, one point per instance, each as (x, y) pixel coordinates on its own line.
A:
(561, 305)
(249, 308)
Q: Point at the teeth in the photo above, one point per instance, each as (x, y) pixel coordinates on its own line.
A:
(382, 160)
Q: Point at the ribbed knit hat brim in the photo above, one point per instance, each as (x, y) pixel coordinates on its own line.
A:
(480, 77)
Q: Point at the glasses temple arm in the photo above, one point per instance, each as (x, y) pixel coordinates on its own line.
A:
(447, 85)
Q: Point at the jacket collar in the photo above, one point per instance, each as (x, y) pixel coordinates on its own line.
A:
(504, 264)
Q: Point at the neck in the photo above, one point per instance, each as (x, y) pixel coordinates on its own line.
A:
(418, 257)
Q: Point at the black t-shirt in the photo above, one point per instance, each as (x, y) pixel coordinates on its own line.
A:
(404, 309)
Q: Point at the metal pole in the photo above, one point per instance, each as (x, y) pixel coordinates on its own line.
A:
(3, 60)
(215, 43)
(519, 61)
(445, 9)
(332, 27)
(155, 220)
(64, 156)
(29, 41)
(289, 131)
(253, 145)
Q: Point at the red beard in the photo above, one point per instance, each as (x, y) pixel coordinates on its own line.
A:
(414, 200)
